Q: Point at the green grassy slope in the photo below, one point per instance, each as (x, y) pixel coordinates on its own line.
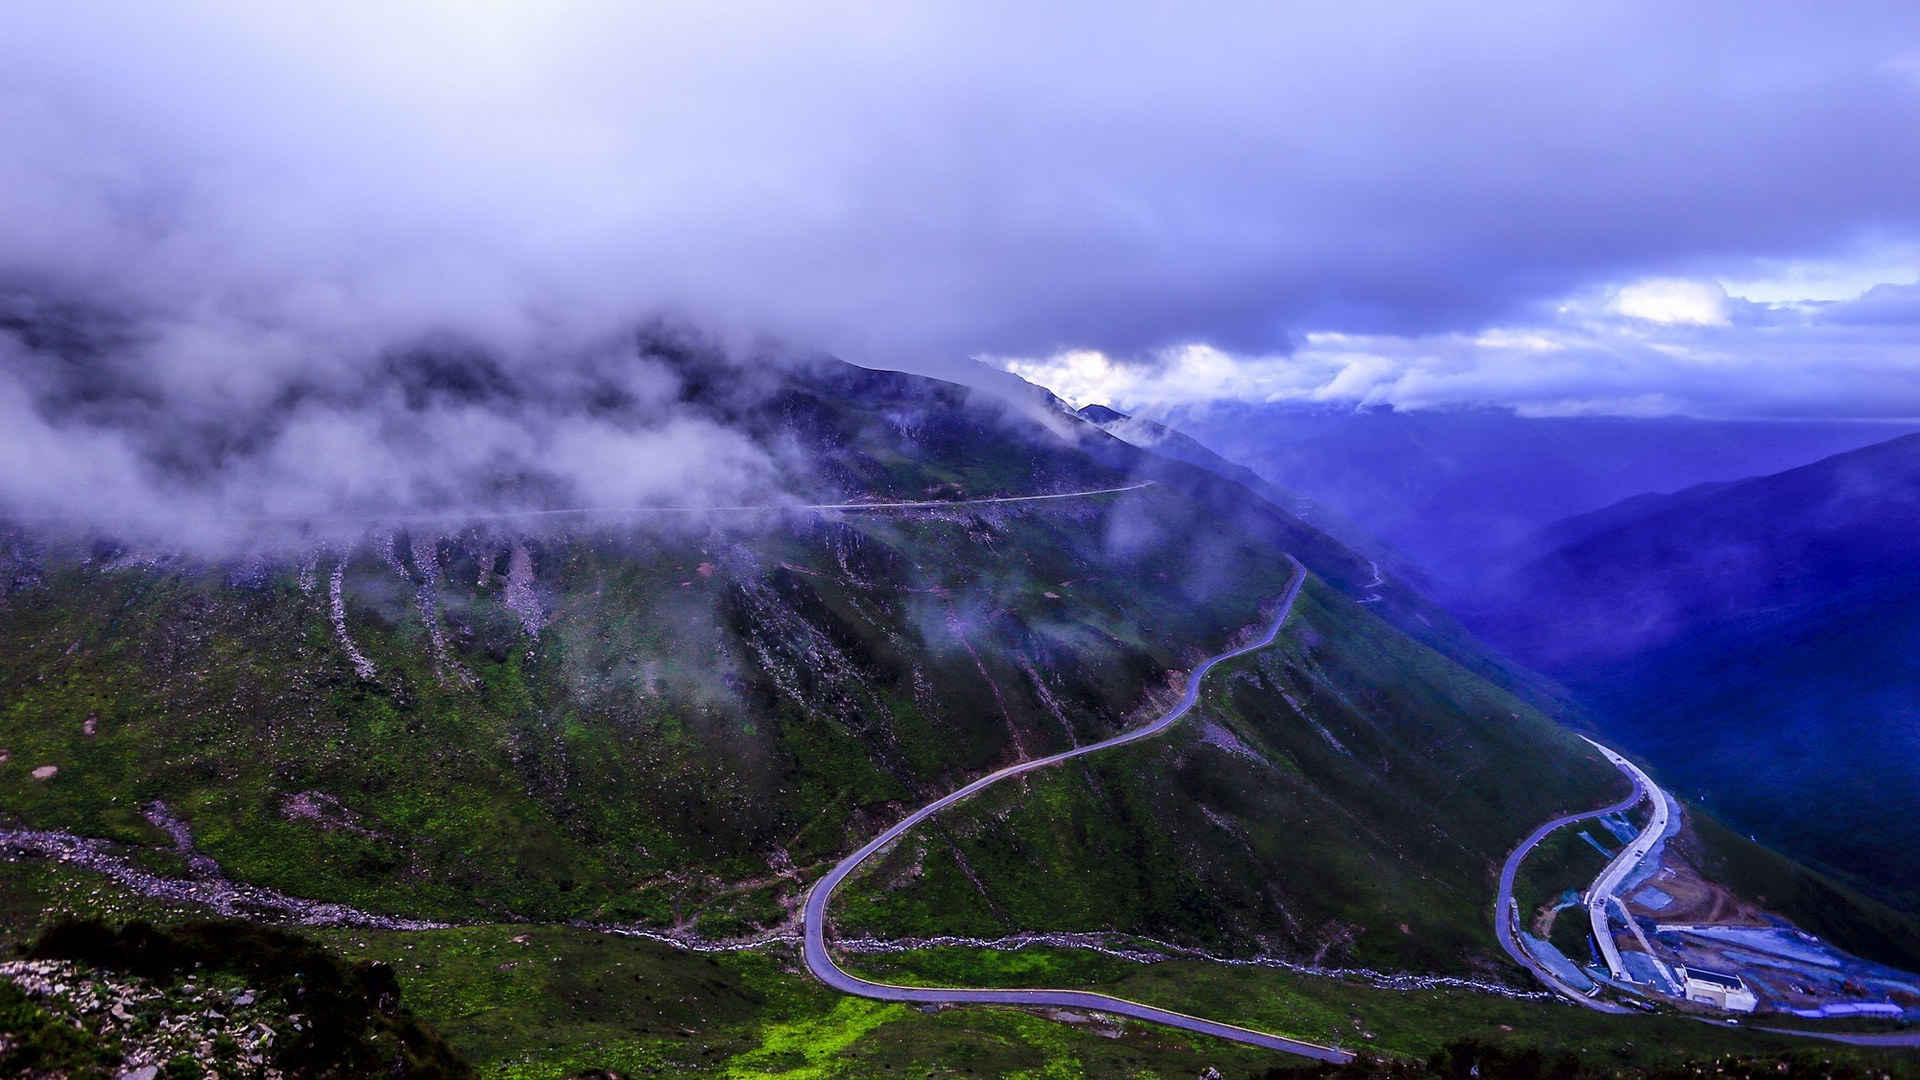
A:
(668, 736)
(527, 1002)
(1809, 716)
(1344, 797)
(709, 715)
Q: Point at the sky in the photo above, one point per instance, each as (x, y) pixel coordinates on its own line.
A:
(1558, 207)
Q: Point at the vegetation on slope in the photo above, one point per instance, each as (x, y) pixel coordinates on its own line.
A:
(698, 713)
(544, 1002)
(1344, 797)
(680, 727)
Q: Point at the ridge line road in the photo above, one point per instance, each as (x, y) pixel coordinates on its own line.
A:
(823, 967)
(507, 515)
(920, 504)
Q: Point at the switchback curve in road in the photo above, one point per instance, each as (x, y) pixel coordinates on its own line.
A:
(1603, 893)
(1506, 912)
(823, 967)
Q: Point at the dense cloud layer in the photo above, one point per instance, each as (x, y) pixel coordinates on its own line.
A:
(157, 442)
(271, 197)
(918, 183)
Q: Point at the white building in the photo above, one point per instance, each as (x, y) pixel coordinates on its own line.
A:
(1717, 988)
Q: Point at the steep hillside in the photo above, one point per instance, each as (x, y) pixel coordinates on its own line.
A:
(1572, 530)
(1344, 799)
(632, 718)
(1166, 442)
(671, 723)
(1756, 640)
(1396, 589)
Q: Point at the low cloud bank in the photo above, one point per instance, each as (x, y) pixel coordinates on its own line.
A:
(184, 437)
(231, 234)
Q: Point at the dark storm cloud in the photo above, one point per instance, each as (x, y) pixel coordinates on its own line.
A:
(256, 203)
(922, 183)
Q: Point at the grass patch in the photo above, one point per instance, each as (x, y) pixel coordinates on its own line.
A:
(1410, 1026)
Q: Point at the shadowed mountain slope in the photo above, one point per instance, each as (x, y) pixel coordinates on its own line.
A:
(1456, 489)
(1756, 639)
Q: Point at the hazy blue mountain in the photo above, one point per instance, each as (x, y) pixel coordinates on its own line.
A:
(1757, 641)
(1457, 490)
(1167, 442)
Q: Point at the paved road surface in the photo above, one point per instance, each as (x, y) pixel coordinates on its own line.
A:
(1855, 1038)
(629, 511)
(1602, 894)
(615, 511)
(821, 963)
(1506, 912)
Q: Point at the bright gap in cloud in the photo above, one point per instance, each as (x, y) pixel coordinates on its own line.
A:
(1673, 300)
(1654, 347)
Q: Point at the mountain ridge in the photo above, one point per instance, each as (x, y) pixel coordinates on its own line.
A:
(1764, 625)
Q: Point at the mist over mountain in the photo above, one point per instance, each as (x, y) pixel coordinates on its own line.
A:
(1462, 491)
(157, 433)
(1163, 440)
(1102, 540)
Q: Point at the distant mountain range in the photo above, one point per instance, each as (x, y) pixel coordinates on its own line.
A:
(1456, 490)
(1752, 635)
(1166, 442)
(1757, 640)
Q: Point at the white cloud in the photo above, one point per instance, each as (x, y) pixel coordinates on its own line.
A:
(1673, 300)
(1195, 372)
(1081, 376)
(1796, 281)
(1656, 347)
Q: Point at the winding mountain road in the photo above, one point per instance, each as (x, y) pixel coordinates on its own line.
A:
(1603, 893)
(821, 963)
(1506, 913)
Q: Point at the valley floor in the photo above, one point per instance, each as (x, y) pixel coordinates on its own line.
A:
(532, 1001)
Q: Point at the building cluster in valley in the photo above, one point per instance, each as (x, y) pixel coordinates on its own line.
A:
(1662, 934)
